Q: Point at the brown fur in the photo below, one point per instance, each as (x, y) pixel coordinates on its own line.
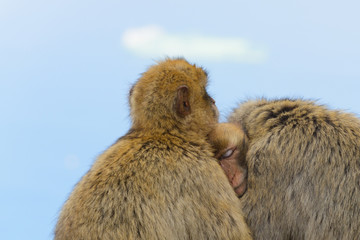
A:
(303, 164)
(159, 181)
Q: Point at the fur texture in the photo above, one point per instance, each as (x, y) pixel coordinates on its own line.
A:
(303, 170)
(159, 181)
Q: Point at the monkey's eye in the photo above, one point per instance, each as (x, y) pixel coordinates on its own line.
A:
(228, 153)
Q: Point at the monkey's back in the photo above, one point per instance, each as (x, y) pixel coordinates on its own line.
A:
(304, 170)
(165, 185)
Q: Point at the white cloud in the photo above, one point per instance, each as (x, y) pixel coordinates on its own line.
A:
(153, 41)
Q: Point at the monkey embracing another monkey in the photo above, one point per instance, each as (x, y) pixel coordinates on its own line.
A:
(160, 180)
(303, 165)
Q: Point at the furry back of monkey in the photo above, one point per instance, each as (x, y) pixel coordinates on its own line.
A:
(304, 170)
(159, 181)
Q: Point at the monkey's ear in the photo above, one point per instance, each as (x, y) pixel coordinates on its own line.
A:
(182, 103)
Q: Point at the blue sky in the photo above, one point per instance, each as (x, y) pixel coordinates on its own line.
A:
(66, 68)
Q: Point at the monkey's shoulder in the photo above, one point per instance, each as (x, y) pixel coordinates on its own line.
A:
(153, 169)
(134, 157)
(264, 116)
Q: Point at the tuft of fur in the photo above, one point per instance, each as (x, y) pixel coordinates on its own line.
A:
(160, 180)
(303, 170)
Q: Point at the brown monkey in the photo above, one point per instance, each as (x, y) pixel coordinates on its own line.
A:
(230, 144)
(303, 170)
(160, 180)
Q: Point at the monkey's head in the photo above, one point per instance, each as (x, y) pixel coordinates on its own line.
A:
(172, 94)
(230, 145)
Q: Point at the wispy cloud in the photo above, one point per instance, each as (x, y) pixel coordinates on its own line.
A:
(153, 41)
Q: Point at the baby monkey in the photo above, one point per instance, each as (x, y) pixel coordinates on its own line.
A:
(230, 144)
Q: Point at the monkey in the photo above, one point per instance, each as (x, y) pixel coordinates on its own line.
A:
(161, 179)
(303, 169)
(230, 144)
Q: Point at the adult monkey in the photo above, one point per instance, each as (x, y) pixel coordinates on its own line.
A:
(159, 181)
(303, 164)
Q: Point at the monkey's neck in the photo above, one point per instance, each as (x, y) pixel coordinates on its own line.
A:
(187, 136)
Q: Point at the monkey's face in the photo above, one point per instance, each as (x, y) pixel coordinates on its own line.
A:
(230, 145)
(229, 160)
